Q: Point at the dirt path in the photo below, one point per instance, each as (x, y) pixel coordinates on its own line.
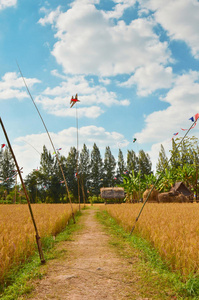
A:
(89, 269)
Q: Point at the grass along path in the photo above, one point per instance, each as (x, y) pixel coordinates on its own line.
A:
(98, 262)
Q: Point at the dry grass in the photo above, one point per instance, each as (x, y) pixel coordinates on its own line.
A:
(172, 228)
(17, 238)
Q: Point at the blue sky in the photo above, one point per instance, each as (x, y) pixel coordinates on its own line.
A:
(134, 65)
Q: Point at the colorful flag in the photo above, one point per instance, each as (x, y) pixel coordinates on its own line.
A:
(175, 134)
(193, 119)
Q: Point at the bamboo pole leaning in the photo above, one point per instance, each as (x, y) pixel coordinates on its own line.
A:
(38, 239)
(73, 215)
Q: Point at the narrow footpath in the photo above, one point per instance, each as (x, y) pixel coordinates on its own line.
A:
(90, 268)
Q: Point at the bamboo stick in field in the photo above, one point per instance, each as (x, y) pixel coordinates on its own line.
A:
(38, 240)
(73, 215)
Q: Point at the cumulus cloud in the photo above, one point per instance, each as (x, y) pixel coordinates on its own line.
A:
(106, 48)
(179, 18)
(119, 8)
(32, 145)
(183, 104)
(12, 86)
(57, 100)
(50, 17)
(7, 3)
(150, 78)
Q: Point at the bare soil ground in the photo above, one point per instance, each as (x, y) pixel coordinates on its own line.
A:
(90, 268)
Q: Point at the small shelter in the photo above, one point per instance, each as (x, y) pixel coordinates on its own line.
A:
(180, 187)
(112, 193)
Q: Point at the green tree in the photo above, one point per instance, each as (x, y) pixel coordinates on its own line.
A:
(109, 168)
(131, 185)
(162, 160)
(85, 170)
(71, 169)
(132, 162)
(166, 180)
(96, 170)
(145, 164)
(175, 161)
(121, 167)
(7, 170)
(31, 183)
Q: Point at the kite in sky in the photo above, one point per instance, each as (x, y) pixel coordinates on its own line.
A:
(74, 100)
(134, 140)
(2, 145)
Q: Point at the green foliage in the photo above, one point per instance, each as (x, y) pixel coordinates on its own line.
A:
(109, 168)
(144, 163)
(7, 167)
(121, 167)
(132, 162)
(96, 171)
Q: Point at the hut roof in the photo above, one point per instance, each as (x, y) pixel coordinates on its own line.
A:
(112, 193)
(181, 187)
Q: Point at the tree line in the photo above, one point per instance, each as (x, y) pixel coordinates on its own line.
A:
(45, 184)
(135, 173)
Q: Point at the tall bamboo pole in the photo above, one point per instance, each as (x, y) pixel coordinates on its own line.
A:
(38, 240)
(78, 158)
(73, 215)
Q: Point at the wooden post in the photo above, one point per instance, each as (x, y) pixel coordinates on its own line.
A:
(38, 240)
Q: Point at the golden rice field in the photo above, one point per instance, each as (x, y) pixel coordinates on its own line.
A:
(17, 235)
(172, 228)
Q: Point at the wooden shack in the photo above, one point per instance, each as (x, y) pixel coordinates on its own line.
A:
(180, 187)
(112, 194)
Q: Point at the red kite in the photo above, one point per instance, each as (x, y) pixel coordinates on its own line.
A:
(74, 100)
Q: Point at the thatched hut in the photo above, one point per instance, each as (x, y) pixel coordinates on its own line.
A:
(180, 187)
(113, 194)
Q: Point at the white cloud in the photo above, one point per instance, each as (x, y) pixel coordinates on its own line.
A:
(50, 17)
(105, 48)
(12, 86)
(183, 100)
(119, 8)
(29, 146)
(150, 78)
(7, 3)
(57, 100)
(179, 18)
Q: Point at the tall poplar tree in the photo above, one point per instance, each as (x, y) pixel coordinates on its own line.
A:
(121, 166)
(71, 167)
(85, 169)
(132, 162)
(96, 170)
(7, 166)
(145, 164)
(109, 168)
(162, 160)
